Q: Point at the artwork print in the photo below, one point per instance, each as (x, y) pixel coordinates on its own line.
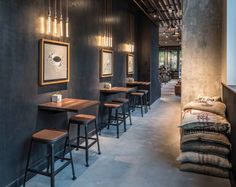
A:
(106, 63)
(54, 62)
(130, 64)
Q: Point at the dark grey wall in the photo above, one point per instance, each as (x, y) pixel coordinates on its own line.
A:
(20, 93)
(147, 40)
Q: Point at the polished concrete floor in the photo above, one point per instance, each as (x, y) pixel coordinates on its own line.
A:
(144, 156)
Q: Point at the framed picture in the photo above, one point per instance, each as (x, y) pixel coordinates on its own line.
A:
(54, 62)
(106, 64)
(130, 64)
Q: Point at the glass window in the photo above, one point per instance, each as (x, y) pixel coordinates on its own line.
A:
(161, 58)
(169, 59)
(173, 60)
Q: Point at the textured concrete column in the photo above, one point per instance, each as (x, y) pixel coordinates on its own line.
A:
(202, 48)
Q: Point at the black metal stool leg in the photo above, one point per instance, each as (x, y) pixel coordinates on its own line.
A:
(27, 163)
(109, 118)
(65, 145)
(96, 128)
(71, 162)
(124, 118)
(102, 119)
(48, 158)
(129, 114)
(149, 102)
(135, 102)
(66, 142)
(132, 105)
(100, 127)
(78, 136)
(52, 174)
(146, 103)
(117, 124)
(86, 144)
(141, 102)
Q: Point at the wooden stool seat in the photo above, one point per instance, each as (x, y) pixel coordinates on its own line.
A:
(49, 135)
(137, 94)
(121, 100)
(113, 105)
(82, 118)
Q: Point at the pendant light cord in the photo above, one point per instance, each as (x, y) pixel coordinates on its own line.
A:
(55, 9)
(49, 7)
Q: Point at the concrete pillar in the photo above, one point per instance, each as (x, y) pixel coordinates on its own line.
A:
(202, 47)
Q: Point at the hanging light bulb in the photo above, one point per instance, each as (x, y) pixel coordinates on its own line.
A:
(55, 19)
(49, 18)
(61, 20)
(67, 20)
(61, 26)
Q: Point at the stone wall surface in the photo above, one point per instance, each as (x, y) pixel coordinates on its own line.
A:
(202, 48)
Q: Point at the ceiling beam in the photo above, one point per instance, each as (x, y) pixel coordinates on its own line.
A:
(162, 13)
(144, 11)
(171, 5)
(164, 7)
(152, 2)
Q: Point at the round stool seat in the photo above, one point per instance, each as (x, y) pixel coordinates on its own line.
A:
(113, 105)
(48, 135)
(137, 94)
(143, 91)
(121, 100)
(82, 118)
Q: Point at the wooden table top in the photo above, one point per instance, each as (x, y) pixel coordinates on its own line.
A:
(138, 83)
(117, 90)
(69, 105)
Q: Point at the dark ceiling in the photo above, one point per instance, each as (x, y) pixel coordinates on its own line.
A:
(166, 13)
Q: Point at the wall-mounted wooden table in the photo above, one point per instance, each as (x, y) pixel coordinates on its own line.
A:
(69, 105)
(116, 90)
(138, 83)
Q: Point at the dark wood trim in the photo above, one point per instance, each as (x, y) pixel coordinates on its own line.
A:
(228, 87)
(101, 63)
(42, 81)
(127, 64)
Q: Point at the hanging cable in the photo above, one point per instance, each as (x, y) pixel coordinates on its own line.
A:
(55, 19)
(61, 20)
(49, 17)
(67, 20)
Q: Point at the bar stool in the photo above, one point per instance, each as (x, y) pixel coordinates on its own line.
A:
(146, 99)
(85, 120)
(137, 100)
(50, 138)
(114, 106)
(125, 103)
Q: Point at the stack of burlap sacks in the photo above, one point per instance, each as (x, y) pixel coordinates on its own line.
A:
(205, 145)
